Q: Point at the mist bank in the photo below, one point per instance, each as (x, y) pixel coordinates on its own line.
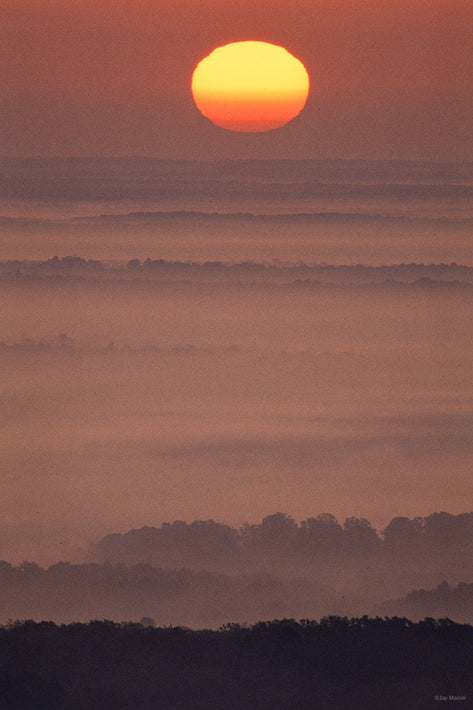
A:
(370, 212)
(68, 593)
(334, 236)
(72, 593)
(103, 437)
(352, 557)
(154, 391)
(455, 602)
(208, 574)
(227, 181)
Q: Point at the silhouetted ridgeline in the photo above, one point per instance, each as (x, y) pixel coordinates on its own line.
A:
(74, 269)
(334, 664)
(408, 553)
(442, 601)
(65, 592)
(208, 573)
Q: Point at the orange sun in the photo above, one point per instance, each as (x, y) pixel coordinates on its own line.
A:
(250, 86)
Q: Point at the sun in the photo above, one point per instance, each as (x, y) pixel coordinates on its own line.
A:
(250, 86)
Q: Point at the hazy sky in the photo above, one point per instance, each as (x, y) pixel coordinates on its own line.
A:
(389, 78)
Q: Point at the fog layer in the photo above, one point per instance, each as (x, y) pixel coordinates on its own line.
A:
(150, 393)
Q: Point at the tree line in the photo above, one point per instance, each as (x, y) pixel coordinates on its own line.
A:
(279, 539)
(332, 664)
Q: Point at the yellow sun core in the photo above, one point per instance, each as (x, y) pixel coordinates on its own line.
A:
(250, 86)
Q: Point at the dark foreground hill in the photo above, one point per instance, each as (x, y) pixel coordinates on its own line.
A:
(334, 664)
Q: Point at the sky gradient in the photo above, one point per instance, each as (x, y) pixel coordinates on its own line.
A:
(111, 77)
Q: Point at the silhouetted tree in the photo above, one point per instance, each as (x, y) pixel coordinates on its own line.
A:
(322, 534)
(360, 537)
(402, 534)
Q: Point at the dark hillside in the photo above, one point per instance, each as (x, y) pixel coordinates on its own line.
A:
(334, 664)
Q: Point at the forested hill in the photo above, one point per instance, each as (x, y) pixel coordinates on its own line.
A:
(334, 664)
(205, 574)
(353, 555)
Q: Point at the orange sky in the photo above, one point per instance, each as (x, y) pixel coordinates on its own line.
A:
(389, 78)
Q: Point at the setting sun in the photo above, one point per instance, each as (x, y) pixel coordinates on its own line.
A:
(250, 86)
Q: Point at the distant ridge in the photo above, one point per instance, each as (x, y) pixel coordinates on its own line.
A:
(225, 216)
(155, 273)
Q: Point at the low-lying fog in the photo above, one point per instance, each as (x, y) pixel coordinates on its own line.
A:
(131, 399)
